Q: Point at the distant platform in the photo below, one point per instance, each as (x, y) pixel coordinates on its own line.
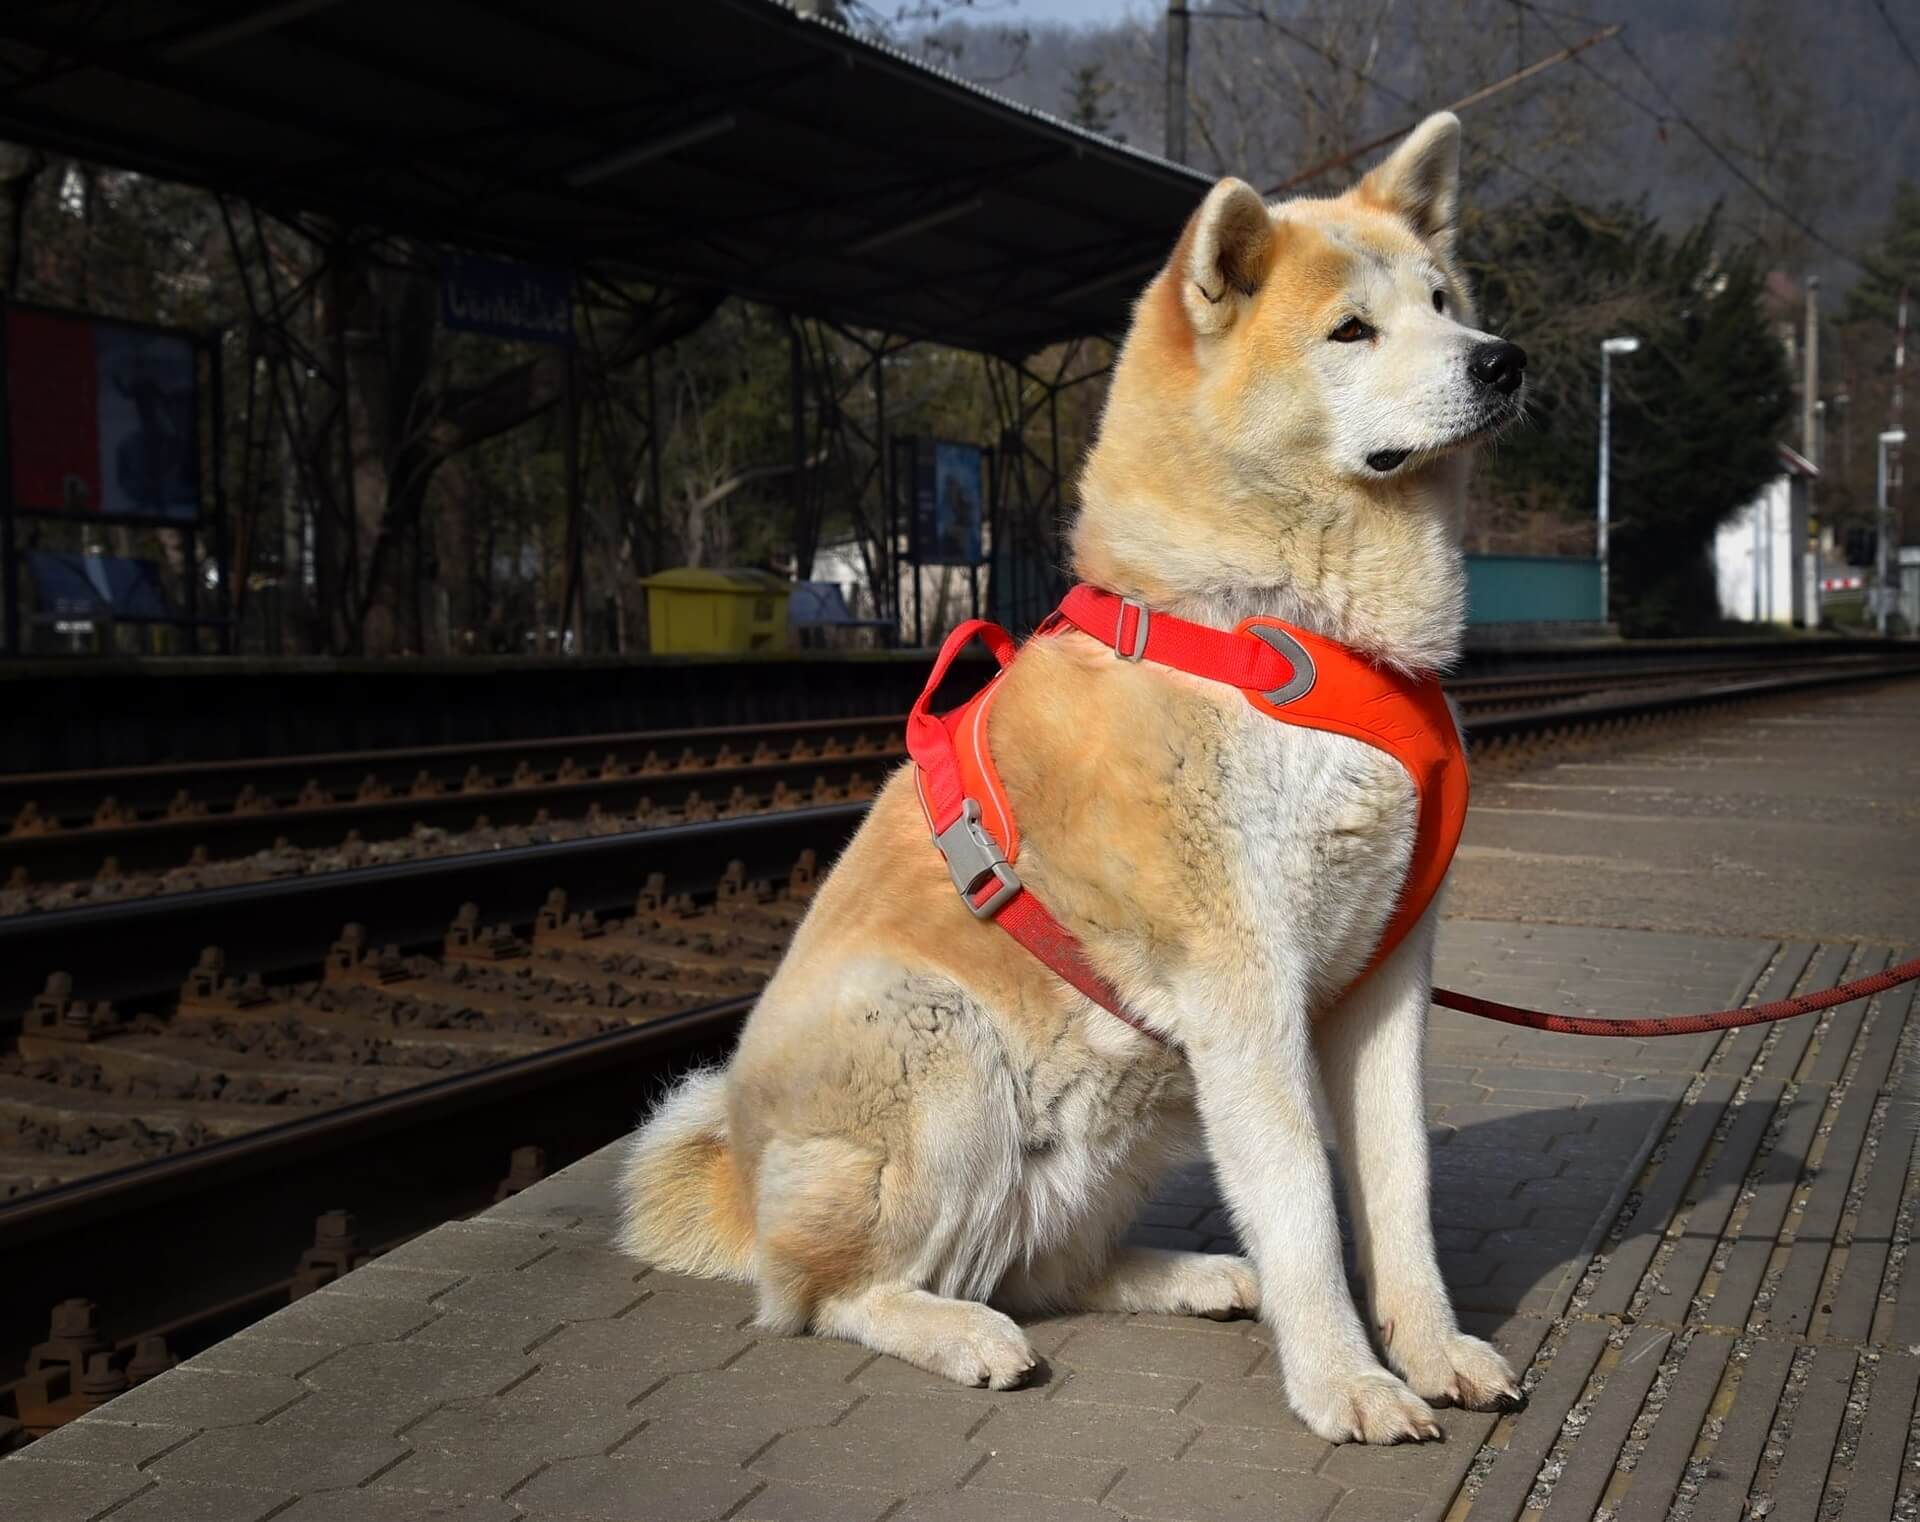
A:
(122, 711)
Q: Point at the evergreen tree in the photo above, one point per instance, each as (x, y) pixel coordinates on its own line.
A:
(1696, 412)
(1892, 266)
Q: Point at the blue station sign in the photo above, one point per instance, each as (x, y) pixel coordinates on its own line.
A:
(506, 300)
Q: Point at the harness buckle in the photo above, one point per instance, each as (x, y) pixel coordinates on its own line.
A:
(973, 856)
(1139, 649)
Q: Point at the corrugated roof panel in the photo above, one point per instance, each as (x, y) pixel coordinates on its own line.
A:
(767, 152)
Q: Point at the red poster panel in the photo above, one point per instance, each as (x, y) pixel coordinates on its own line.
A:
(53, 416)
(101, 417)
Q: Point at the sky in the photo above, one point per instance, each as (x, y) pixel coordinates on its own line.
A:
(1063, 12)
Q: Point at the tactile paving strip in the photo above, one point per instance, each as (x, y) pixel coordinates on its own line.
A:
(1741, 1347)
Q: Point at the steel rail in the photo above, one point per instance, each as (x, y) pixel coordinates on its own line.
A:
(164, 844)
(147, 790)
(1486, 729)
(138, 948)
(71, 798)
(101, 1196)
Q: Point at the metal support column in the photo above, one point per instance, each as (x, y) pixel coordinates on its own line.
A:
(228, 602)
(891, 557)
(339, 575)
(575, 594)
(190, 589)
(1177, 25)
(9, 571)
(654, 465)
(802, 534)
(992, 458)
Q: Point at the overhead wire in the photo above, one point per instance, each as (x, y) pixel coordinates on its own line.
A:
(1674, 112)
(1899, 37)
(1399, 97)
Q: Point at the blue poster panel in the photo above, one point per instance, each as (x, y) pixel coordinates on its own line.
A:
(948, 503)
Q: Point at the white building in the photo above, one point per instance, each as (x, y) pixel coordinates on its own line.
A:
(1763, 564)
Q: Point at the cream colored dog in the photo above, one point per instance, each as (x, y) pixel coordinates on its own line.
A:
(921, 1118)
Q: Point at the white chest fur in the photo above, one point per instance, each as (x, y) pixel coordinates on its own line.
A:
(1320, 832)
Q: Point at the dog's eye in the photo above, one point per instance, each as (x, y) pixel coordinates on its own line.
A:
(1439, 301)
(1350, 332)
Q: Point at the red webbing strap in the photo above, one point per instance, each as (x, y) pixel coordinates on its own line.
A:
(1679, 1025)
(1220, 655)
(1022, 916)
(1030, 923)
(927, 739)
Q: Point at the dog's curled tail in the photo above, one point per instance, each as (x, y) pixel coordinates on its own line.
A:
(684, 1205)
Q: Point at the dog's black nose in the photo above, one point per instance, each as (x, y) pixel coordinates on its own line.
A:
(1501, 365)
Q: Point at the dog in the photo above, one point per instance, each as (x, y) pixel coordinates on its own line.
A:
(923, 1129)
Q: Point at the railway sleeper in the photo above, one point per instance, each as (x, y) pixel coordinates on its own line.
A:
(75, 1371)
(236, 1054)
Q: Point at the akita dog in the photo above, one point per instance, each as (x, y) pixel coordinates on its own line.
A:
(922, 1122)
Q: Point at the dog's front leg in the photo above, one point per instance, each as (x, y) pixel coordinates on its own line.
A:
(1253, 1067)
(1372, 1061)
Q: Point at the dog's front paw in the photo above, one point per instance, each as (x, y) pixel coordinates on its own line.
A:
(988, 1350)
(1458, 1370)
(1370, 1407)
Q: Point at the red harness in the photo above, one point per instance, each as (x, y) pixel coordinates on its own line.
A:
(1286, 672)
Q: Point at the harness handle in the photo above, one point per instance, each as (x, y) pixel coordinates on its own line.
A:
(927, 739)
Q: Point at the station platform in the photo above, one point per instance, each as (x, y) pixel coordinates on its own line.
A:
(1696, 1246)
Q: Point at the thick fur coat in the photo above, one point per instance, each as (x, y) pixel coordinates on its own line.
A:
(923, 1129)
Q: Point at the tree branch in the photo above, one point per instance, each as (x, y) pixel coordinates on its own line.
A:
(747, 477)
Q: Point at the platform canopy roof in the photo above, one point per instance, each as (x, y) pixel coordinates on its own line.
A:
(731, 143)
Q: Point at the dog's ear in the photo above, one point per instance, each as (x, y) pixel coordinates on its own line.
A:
(1420, 181)
(1223, 255)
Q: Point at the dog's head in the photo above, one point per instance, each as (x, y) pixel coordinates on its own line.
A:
(1334, 334)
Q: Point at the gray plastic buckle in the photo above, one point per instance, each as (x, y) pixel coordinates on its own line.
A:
(1139, 630)
(1301, 682)
(973, 856)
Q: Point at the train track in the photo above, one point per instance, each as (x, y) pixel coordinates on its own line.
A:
(396, 1076)
(183, 828)
(441, 1011)
(76, 837)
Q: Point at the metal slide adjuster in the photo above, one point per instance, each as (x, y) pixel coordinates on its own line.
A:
(1139, 630)
(1301, 682)
(973, 856)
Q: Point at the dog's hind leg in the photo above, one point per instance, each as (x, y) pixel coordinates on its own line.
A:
(1372, 1062)
(1139, 1280)
(966, 1341)
(1091, 1272)
(1253, 1067)
(850, 1237)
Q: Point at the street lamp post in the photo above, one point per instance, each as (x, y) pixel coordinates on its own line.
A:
(1883, 598)
(1608, 348)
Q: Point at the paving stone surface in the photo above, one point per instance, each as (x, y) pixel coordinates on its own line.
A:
(1696, 1247)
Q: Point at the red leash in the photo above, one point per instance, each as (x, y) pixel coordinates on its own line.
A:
(1679, 1025)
